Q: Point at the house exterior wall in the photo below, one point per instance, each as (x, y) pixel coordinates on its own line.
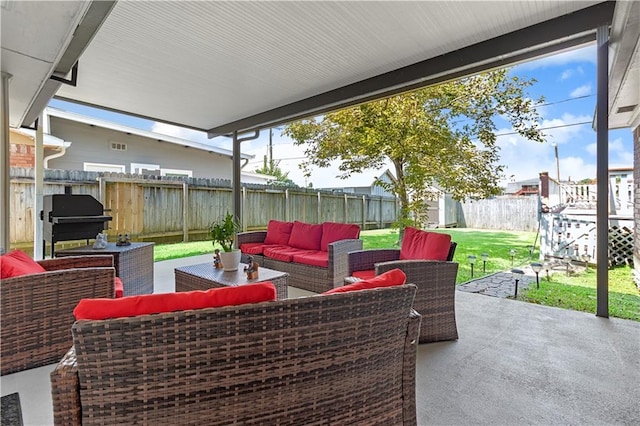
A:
(93, 145)
(636, 204)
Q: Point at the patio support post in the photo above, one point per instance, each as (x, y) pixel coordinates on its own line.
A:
(235, 178)
(602, 174)
(5, 165)
(38, 172)
(236, 184)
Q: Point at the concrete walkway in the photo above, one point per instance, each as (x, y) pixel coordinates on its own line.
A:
(502, 284)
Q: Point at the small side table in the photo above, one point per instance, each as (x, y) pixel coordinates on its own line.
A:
(133, 264)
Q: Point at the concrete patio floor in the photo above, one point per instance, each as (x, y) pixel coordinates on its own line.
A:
(514, 363)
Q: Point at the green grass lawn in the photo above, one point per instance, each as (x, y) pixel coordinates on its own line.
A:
(571, 292)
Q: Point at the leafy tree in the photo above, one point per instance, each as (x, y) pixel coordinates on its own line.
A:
(436, 137)
(272, 168)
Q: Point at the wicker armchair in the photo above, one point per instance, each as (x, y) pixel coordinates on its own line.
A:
(346, 358)
(436, 282)
(37, 309)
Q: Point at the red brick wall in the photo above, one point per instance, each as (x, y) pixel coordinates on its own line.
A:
(21, 155)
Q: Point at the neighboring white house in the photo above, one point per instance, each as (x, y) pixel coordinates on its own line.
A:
(100, 145)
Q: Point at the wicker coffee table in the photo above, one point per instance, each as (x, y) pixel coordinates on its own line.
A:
(204, 276)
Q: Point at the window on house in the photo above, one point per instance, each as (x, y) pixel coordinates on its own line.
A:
(176, 173)
(145, 169)
(100, 167)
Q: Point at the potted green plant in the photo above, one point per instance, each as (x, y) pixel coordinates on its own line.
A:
(224, 233)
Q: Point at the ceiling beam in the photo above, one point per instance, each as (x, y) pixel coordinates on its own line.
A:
(556, 34)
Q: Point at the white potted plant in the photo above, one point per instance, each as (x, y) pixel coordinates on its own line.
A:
(224, 233)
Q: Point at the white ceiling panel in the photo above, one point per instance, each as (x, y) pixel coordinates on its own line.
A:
(204, 64)
(34, 36)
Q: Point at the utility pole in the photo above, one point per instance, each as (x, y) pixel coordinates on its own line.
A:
(555, 147)
(271, 150)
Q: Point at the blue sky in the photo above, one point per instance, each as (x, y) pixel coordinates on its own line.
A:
(566, 81)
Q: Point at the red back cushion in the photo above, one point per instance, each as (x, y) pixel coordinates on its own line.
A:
(418, 244)
(306, 236)
(333, 231)
(99, 309)
(386, 279)
(18, 263)
(278, 232)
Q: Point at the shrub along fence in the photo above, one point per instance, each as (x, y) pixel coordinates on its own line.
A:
(161, 209)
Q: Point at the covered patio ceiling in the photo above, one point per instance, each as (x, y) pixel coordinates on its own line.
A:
(224, 66)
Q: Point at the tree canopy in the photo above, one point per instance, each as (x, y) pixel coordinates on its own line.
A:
(436, 138)
(272, 168)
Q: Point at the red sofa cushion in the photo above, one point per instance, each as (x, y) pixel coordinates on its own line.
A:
(386, 279)
(256, 248)
(118, 288)
(18, 263)
(365, 275)
(418, 244)
(313, 258)
(99, 309)
(283, 253)
(278, 232)
(333, 231)
(306, 236)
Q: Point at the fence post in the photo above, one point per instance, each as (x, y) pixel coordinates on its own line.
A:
(319, 207)
(364, 212)
(381, 211)
(185, 211)
(346, 209)
(287, 205)
(243, 208)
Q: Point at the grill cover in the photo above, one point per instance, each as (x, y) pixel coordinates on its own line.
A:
(72, 217)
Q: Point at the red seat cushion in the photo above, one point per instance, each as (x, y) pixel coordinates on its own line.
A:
(18, 263)
(99, 309)
(333, 231)
(118, 288)
(283, 253)
(255, 248)
(278, 232)
(365, 275)
(418, 244)
(387, 279)
(305, 236)
(313, 258)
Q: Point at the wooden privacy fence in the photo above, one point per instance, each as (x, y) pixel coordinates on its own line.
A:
(162, 209)
(504, 213)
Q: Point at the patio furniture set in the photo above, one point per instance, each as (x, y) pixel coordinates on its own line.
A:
(212, 352)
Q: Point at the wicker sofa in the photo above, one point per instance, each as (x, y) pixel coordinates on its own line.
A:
(37, 309)
(314, 256)
(346, 358)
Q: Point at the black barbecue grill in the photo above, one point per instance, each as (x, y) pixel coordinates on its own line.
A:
(70, 217)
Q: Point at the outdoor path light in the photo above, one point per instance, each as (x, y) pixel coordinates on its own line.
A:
(537, 267)
(546, 268)
(517, 275)
(586, 257)
(472, 261)
(512, 253)
(567, 260)
(484, 257)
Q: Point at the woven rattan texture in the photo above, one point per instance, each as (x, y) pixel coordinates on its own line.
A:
(203, 277)
(309, 277)
(133, 263)
(435, 298)
(335, 359)
(436, 282)
(37, 309)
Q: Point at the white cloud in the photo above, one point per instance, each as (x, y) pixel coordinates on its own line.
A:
(585, 54)
(583, 90)
(566, 74)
